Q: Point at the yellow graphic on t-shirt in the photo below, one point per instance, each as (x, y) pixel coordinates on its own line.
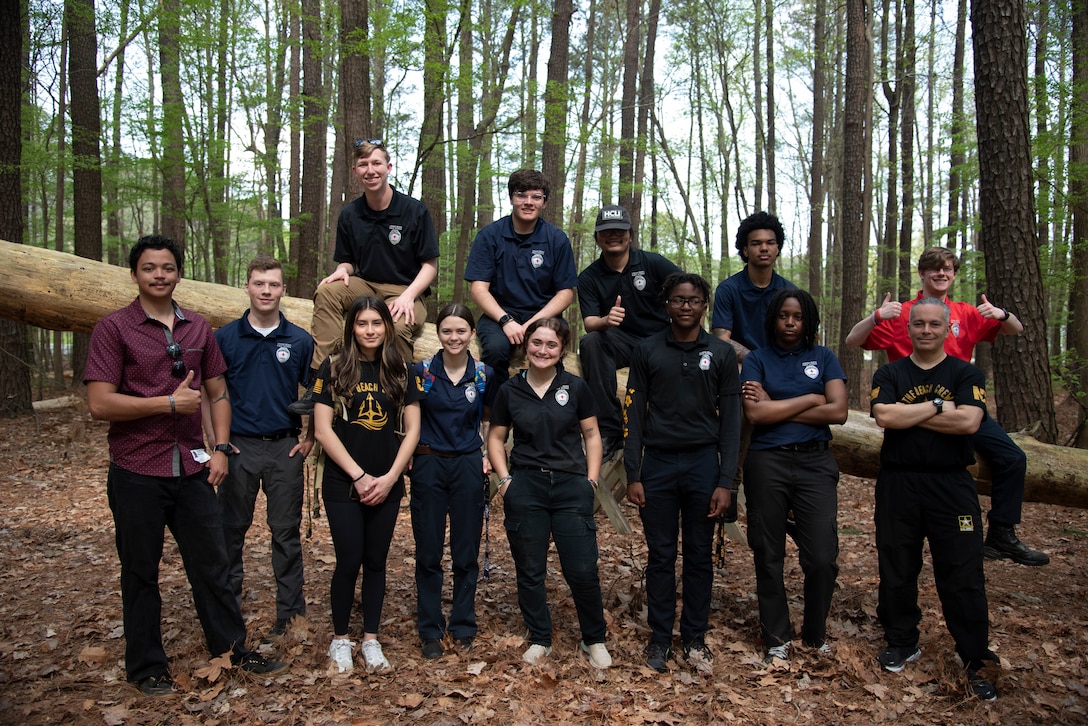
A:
(979, 393)
(967, 523)
(371, 415)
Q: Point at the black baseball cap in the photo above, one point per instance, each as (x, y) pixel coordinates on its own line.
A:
(612, 216)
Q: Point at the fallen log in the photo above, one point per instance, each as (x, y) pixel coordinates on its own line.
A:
(59, 291)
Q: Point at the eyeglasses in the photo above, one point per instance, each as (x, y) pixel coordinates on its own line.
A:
(522, 196)
(177, 369)
(372, 142)
(679, 302)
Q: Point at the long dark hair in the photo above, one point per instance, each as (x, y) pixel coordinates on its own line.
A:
(810, 315)
(344, 367)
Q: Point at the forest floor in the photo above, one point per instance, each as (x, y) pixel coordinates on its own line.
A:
(62, 642)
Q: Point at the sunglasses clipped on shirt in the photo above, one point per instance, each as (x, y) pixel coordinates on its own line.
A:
(177, 368)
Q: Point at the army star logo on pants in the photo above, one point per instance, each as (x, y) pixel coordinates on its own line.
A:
(967, 523)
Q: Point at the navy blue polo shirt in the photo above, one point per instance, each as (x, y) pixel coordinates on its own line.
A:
(387, 246)
(547, 430)
(789, 374)
(524, 273)
(638, 285)
(452, 411)
(263, 374)
(741, 307)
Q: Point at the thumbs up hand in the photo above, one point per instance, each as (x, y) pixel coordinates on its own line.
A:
(617, 313)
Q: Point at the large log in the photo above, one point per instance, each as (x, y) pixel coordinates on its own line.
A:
(59, 291)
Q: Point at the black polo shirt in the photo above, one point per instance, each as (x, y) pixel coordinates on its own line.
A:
(682, 396)
(547, 431)
(387, 246)
(638, 285)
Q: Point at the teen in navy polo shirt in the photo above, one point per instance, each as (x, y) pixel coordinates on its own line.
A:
(792, 390)
(267, 357)
(521, 269)
(449, 478)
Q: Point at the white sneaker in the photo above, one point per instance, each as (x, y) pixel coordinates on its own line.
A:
(340, 652)
(536, 653)
(779, 652)
(375, 660)
(598, 655)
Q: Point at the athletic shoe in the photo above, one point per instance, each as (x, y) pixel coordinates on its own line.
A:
(161, 685)
(981, 687)
(253, 663)
(699, 656)
(340, 652)
(657, 656)
(895, 659)
(536, 653)
(432, 648)
(598, 655)
(375, 659)
(824, 648)
(781, 652)
(466, 642)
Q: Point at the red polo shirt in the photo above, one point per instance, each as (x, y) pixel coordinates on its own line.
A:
(128, 349)
(969, 329)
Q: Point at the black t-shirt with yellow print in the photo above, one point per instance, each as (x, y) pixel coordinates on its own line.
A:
(367, 428)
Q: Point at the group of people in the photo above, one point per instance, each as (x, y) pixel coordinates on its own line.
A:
(446, 420)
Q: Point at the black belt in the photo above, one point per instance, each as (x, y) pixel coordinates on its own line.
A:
(275, 436)
(425, 450)
(807, 446)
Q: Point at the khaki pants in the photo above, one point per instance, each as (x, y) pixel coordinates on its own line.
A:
(331, 302)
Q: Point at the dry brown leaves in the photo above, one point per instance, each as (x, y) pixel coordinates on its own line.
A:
(62, 644)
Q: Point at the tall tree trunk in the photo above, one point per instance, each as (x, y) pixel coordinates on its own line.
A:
(86, 156)
(555, 109)
(887, 267)
(957, 155)
(816, 194)
(275, 57)
(645, 102)
(907, 54)
(757, 102)
(172, 124)
(15, 352)
(628, 141)
(772, 192)
(114, 228)
(294, 183)
(431, 132)
(353, 119)
(466, 156)
(1078, 192)
(1007, 209)
(315, 126)
(217, 151)
(855, 149)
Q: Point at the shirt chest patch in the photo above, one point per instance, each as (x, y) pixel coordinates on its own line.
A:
(638, 279)
(704, 360)
(283, 353)
(470, 392)
(536, 258)
(955, 328)
(811, 369)
(562, 396)
(396, 234)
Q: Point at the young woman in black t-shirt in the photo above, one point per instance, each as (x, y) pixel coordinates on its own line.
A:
(359, 395)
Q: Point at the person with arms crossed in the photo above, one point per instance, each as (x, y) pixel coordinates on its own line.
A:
(385, 247)
(929, 403)
(619, 295)
(520, 269)
(886, 329)
(682, 423)
(145, 366)
(267, 359)
(792, 390)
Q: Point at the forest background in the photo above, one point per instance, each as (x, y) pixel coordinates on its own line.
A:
(873, 129)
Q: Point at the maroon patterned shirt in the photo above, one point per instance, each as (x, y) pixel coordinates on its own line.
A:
(128, 349)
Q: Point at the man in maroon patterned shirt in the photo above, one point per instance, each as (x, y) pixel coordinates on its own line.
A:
(145, 367)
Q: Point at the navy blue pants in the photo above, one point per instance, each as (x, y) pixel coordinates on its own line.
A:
(452, 486)
(777, 482)
(943, 508)
(143, 506)
(601, 353)
(495, 348)
(556, 505)
(678, 487)
(1008, 466)
(267, 465)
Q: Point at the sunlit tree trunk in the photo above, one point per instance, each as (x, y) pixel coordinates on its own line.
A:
(957, 155)
(816, 193)
(907, 55)
(887, 267)
(626, 168)
(555, 109)
(172, 163)
(315, 121)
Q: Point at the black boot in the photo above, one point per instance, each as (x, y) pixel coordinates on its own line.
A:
(305, 405)
(1002, 542)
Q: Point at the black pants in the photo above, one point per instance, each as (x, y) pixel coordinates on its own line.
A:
(601, 353)
(776, 482)
(943, 508)
(1008, 466)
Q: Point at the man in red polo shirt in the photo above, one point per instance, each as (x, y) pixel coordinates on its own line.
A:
(886, 329)
(145, 367)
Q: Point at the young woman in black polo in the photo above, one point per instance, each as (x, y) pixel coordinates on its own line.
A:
(792, 389)
(548, 487)
(449, 479)
(359, 395)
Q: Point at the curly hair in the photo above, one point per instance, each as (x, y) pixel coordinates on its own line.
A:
(759, 220)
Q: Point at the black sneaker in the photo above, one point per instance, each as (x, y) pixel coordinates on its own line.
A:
(466, 642)
(981, 687)
(259, 665)
(1002, 542)
(303, 406)
(895, 659)
(698, 655)
(657, 656)
(432, 648)
(278, 630)
(157, 685)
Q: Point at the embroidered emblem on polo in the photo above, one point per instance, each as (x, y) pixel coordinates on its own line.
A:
(956, 328)
(811, 369)
(704, 360)
(967, 523)
(470, 392)
(283, 354)
(562, 397)
(640, 280)
(537, 258)
(395, 235)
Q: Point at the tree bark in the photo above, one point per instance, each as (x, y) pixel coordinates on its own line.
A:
(172, 223)
(555, 109)
(1078, 193)
(314, 122)
(1007, 210)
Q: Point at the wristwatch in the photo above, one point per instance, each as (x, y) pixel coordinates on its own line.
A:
(938, 403)
(225, 448)
(505, 319)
